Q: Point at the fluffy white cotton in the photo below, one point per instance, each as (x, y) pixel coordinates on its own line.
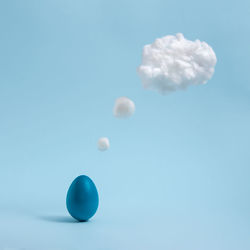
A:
(171, 63)
(124, 107)
(103, 143)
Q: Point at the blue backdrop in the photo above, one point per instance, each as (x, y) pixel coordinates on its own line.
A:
(176, 175)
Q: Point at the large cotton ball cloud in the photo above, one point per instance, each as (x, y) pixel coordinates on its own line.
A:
(103, 143)
(124, 107)
(171, 63)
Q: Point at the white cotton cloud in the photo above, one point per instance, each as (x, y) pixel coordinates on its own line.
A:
(172, 63)
(103, 143)
(124, 107)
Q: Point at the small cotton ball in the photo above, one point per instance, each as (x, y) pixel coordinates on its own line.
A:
(173, 63)
(103, 143)
(124, 107)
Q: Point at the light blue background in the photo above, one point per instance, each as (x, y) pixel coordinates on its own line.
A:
(177, 173)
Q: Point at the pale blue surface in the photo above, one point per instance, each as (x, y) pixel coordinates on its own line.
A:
(177, 173)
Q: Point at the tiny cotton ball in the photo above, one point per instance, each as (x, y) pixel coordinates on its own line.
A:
(123, 108)
(103, 143)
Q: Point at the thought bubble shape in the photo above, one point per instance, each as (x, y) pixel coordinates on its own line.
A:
(173, 63)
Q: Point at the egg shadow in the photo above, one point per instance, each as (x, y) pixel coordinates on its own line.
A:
(59, 219)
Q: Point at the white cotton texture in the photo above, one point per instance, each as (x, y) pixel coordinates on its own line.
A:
(103, 143)
(123, 108)
(172, 63)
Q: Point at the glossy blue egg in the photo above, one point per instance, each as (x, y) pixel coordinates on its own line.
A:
(82, 198)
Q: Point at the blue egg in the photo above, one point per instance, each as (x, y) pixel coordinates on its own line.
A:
(82, 198)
